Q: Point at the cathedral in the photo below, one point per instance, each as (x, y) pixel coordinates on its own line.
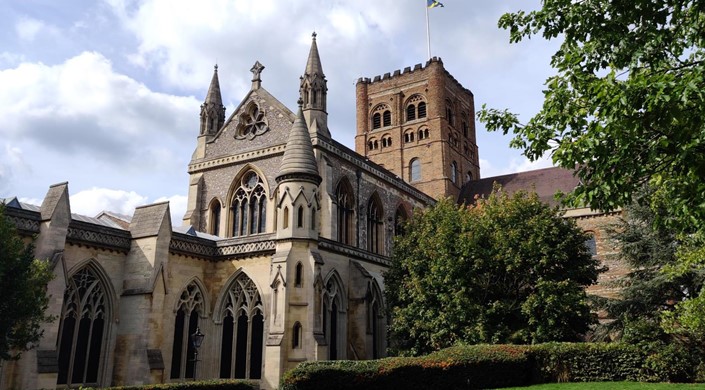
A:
(281, 254)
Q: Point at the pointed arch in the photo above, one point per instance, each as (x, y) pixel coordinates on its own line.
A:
(375, 224)
(85, 325)
(241, 311)
(214, 216)
(334, 310)
(345, 200)
(375, 317)
(248, 200)
(400, 218)
(190, 305)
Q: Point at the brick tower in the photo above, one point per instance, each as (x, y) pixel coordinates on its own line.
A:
(419, 124)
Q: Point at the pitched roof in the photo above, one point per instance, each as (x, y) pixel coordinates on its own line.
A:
(545, 182)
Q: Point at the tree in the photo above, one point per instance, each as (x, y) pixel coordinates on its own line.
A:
(646, 292)
(23, 282)
(506, 270)
(627, 104)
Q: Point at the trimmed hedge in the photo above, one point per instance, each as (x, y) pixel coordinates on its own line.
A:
(495, 366)
(461, 367)
(221, 384)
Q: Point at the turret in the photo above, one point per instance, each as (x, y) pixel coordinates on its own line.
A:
(313, 92)
(212, 109)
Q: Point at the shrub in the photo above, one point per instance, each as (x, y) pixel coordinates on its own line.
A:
(222, 384)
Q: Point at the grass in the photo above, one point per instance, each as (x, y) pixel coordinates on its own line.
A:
(613, 386)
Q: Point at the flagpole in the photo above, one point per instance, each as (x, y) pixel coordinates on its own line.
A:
(428, 34)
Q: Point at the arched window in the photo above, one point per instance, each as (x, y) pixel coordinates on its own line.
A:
(468, 177)
(375, 225)
(410, 112)
(454, 172)
(296, 334)
(299, 277)
(409, 136)
(285, 222)
(249, 206)
(466, 128)
(384, 142)
(243, 331)
(183, 352)
(375, 319)
(386, 118)
(591, 244)
(449, 113)
(415, 170)
(314, 226)
(334, 317)
(376, 120)
(346, 212)
(85, 321)
(422, 110)
(400, 218)
(300, 217)
(215, 218)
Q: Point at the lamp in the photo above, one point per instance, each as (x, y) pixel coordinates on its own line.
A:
(196, 339)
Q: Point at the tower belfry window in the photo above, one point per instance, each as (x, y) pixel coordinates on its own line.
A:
(387, 118)
(410, 112)
(422, 110)
(376, 120)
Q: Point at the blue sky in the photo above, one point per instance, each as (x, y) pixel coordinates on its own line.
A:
(105, 94)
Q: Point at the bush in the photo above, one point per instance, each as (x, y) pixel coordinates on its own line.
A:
(495, 366)
(222, 384)
(460, 367)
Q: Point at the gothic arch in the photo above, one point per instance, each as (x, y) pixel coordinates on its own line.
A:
(222, 294)
(204, 303)
(345, 218)
(241, 221)
(85, 333)
(375, 224)
(376, 327)
(334, 315)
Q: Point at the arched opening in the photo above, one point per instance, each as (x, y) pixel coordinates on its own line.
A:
(215, 218)
(415, 170)
(400, 218)
(346, 212)
(300, 217)
(285, 218)
(243, 331)
(85, 323)
(190, 306)
(299, 277)
(249, 206)
(375, 225)
(296, 333)
(410, 112)
(387, 118)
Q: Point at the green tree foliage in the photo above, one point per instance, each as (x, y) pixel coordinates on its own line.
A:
(646, 292)
(627, 103)
(23, 281)
(506, 270)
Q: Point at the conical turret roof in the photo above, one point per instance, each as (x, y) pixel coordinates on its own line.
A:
(214, 95)
(299, 160)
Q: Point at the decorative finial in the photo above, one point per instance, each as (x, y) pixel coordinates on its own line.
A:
(256, 70)
(314, 35)
(215, 68)
(300, 102)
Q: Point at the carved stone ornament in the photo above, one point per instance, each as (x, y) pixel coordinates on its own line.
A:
(251, 123)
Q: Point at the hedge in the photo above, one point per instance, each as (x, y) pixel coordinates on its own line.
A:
(495, 366)
(222, 384)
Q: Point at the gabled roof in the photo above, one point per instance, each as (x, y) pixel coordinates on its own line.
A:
(545, 182)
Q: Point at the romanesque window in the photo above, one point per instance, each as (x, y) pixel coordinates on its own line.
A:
(409, 136)
(215, 217)
(386, 141)
(346, 212)
(468, 177)
(375, 225)
(415, 170)
(190, 306)
(333, 317)
(416, 108)
(251, 123)
(454, 172)
(85, 321)
(243, 331)
(373, 144)
(410, 112)
(450, 115)
(386, 118)
(381, 116)
(423, 133)
(249, 206)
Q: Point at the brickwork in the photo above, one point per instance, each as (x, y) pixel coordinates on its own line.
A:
(449, 123)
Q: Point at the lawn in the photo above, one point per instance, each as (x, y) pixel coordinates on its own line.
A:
(613, 386)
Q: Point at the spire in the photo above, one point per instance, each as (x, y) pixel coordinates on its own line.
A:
(213, 95)
(313, 66)
(313, 92)
(212, 109)
(299, 162)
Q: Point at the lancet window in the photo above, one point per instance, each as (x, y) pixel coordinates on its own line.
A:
(346, 212)
(375, 226)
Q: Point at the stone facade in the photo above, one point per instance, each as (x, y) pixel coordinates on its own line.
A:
(283, 246)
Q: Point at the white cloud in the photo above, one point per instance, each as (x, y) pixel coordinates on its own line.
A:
(92, 201)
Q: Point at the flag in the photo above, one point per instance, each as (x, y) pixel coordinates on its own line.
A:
(433, 4)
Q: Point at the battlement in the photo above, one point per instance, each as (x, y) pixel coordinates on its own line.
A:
(407, 71)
